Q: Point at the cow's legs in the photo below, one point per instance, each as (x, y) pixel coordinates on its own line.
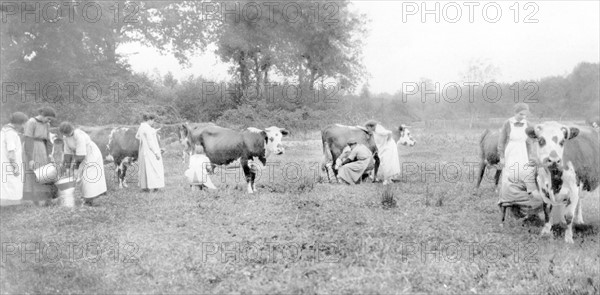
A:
(547, 219)
(503, 212)
(497, 177)
(482, 166)
(569, 213)
(249, 174)
(573, 207)
(123, 173)
(578, 215)
(376, 169)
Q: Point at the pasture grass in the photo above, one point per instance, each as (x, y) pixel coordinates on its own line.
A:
(300, 235)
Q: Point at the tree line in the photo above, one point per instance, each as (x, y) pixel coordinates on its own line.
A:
(291, 63)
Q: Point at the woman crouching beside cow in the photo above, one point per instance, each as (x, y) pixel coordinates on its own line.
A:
(354, 162)
(518, 188)
(83, 160)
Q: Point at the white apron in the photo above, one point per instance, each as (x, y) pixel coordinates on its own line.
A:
(11, 185)
(389, 165)
(197, 173)
(151, 172)
(517, 176)
(515, 154)
(91, 170)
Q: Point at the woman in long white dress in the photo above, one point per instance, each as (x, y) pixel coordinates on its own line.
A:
(517, 181)
(83, 159)
(11, 155)
(389, 165)
(151, 175)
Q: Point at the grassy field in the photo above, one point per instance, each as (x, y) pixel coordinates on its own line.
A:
(297, 235)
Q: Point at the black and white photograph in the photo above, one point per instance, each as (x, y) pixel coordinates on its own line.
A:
(299, 147)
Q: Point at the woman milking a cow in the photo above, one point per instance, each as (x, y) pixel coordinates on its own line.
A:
(518, 189)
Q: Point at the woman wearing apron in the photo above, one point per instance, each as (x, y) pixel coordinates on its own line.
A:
(517, 181)
(11, 156)
(82, 154)
(37, 152)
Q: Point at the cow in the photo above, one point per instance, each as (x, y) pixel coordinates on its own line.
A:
(594, 122)
(335, 137)
(182, 133)
(123, 149)
(223, 146)
(100, 135)
(488, 155)
(555, 148)
(403, 136)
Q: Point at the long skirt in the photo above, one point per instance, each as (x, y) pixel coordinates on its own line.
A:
(151, 173)
(93, 180)
(32, 189)
(352, 173)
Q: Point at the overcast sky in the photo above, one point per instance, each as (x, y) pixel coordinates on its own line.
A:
(567, 32)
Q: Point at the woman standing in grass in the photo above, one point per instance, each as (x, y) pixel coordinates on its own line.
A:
(37, 153)
(517, 182)
(151, 175)
(82, 155)
(11, 156)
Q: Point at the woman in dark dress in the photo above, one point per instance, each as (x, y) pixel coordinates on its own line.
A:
(37, 152)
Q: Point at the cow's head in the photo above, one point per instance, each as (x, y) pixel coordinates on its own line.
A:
(549, 142)
(405, 136)
(273, 140)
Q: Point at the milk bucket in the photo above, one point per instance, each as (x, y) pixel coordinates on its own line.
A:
(66, 190)
(47, 173)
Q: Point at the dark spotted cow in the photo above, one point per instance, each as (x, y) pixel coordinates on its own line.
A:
(223, 146)
(554, 147)
(123, 148)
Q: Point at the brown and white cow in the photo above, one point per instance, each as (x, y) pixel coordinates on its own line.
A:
(555, 147)
(223, 146)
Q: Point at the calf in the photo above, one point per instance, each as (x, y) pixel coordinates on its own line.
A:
(569, 156)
